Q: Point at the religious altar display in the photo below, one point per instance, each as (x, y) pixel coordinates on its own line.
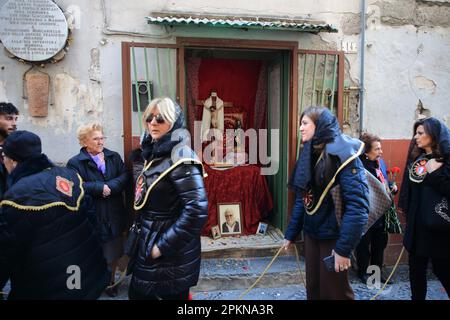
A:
(241, 184)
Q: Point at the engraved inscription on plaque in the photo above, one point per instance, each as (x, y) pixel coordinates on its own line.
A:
(33, 30)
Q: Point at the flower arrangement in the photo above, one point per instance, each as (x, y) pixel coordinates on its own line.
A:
(392, 173)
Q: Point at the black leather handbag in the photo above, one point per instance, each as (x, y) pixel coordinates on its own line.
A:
(133, 239)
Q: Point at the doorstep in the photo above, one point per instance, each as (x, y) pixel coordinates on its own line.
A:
(244, 246)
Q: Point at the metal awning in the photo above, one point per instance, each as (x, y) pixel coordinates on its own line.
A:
(240, 22)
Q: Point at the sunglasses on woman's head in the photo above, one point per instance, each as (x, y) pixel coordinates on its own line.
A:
(159, 118)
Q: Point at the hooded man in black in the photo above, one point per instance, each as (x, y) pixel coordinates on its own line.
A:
(48, 248)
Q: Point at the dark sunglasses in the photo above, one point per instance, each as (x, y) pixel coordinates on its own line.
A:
(159, 118)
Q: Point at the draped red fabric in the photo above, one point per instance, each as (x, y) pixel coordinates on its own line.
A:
(234, 81)
(192, 66)
(242, 184)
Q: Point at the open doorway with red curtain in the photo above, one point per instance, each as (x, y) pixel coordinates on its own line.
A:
(240, 82)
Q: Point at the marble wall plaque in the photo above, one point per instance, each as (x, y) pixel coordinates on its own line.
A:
(33, 30)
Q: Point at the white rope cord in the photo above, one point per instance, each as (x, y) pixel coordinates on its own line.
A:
(301, 274)
(392, 272)
(121, 278)
(267, 268)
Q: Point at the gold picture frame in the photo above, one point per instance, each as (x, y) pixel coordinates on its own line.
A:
(230, 218)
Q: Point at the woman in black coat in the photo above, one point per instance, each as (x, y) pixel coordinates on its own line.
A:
(370, 250)
(172, 208)
(105, 178)
(424, 199)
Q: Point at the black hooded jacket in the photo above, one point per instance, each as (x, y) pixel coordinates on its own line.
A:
(172, 207)
(45, 235)
(420, 199)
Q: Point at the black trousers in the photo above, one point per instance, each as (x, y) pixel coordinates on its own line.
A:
(134, 295)
(370, 250)
(418, 275)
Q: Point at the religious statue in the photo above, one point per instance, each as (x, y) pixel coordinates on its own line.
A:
(212, 115)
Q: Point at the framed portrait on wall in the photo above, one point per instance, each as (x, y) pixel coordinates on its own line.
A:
(230, 218)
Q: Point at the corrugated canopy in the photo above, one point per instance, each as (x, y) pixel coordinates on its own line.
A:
(240, 22)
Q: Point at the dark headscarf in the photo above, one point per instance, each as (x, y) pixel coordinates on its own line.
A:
(327, 128)
(442, 135)
(163, 147)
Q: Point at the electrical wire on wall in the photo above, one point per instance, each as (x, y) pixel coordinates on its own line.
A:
(108, 31)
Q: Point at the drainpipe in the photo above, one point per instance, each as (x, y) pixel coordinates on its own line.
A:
(362, 49)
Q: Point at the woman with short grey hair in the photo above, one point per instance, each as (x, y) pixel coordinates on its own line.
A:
(105, 178)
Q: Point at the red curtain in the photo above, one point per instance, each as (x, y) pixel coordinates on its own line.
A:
(234, 81)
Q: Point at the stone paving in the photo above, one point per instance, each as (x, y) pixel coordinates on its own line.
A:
(399, 290)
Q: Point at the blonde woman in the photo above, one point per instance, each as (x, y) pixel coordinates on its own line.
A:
(105, 178)
(172, 208)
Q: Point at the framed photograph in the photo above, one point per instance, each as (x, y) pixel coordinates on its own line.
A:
(230, 218)
(233, 120)
(262, 228)
(215, 231)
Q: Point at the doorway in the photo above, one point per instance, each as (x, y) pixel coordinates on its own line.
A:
(163, 69)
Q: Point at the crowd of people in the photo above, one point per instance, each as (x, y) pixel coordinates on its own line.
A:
(64, 229)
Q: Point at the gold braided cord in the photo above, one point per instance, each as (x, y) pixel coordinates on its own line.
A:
(301, 274)
(49, 205)
(162, 175)
(121, 278)
(267, 268)
(298, 263)
(392, 272)
(263, 273)
(328, 187)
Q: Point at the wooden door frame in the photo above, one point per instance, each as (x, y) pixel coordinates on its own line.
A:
(181, 44)
(126, 92)
(181, 81)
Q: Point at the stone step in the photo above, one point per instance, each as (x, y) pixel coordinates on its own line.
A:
(241, 273)
(248, 246)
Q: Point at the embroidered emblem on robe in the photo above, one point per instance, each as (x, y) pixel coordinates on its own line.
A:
(139, 189)
(418, 170)
(64, 186)
(308, 200)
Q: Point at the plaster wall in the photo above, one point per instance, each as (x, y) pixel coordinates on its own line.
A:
(405, 61)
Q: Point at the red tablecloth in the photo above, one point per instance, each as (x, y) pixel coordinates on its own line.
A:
(242, 184)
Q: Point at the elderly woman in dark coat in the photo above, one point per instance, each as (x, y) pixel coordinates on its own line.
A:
(105, 178)
(328, 158)
(370, 250)
(424, 198)
(172, 207)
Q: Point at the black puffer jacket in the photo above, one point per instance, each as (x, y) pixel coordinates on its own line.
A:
(44, 231)
(110, 213)
(172, 206)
